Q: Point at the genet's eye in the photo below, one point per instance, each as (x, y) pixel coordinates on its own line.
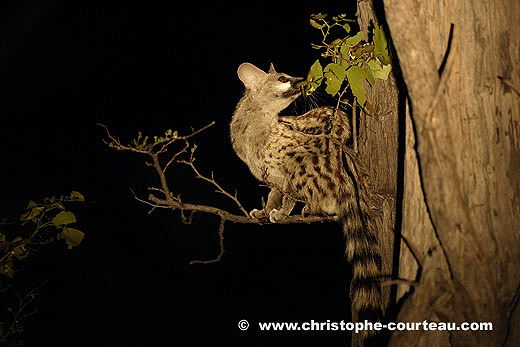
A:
(283, 79)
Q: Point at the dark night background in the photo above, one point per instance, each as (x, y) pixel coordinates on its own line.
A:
(65, 67)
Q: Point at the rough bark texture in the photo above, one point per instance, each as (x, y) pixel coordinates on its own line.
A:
(378, 148)
(461, 198)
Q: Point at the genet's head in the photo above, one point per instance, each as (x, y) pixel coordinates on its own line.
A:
(272, 91)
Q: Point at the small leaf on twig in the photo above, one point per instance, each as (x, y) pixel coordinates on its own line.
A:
(316, 24)
(63, 218)
(354, 40)
(334, 77)
(72, 236)
(356, 77)
(74, 195)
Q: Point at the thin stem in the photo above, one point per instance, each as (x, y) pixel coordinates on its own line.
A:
(212, 181)
(221, 246)
(160, 171)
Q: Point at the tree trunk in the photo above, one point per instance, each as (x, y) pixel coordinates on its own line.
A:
(378, 149)
(461, 193)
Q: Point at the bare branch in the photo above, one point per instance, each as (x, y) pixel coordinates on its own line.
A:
(221, 245)
(171, 202)
(120, 147)
(163, 148)
(160, 172)
(232, 217)
(212, 181)
(176, 155)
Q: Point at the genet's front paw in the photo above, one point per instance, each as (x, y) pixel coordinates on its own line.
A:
(258, 214)
(276, 216)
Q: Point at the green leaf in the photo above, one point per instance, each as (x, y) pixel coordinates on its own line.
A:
(334, 77)
(335, 42)
(382, 74)
(356, 77)
(374, 65)
(77, 196)
(36, 212)
(314, 77)
(380, 43)
(316, 24)
(369, 76)
(7, 269)
(346, 27)
(354, 40)
(30, 205)
(318, 16)
(63, 218)
(72, 236)
(315, 72)
(20, 252)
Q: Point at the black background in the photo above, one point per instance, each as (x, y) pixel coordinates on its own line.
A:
(65, 67)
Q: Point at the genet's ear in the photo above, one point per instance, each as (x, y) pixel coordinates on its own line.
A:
(271, 69)
(250, 75)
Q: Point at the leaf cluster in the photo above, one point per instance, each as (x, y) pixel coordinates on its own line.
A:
(352, 59)
(41, 223)
(143, 143)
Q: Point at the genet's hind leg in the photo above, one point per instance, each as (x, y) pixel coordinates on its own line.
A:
(274, 202)
(287, 206)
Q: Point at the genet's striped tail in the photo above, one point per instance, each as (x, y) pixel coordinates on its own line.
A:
(363, 253)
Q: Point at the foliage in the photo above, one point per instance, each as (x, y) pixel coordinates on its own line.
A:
(40, 224)
(352, 60)
(142, 143)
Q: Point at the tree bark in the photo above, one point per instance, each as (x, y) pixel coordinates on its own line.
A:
(461, 193)
(378, 148)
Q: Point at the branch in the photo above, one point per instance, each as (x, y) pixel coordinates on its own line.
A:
(161, 203)
(163, 148)
(171, 202)
(212, 181)
(221, 244)
(19, 315)
(176, 155)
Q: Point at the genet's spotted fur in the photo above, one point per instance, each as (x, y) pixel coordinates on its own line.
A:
(302, 159)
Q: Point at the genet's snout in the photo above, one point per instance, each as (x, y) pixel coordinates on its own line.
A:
(297, 82)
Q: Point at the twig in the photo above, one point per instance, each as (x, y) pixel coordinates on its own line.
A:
(212, 181)
(176, 155)
(163, 148)
(221, 245)
(19, 316)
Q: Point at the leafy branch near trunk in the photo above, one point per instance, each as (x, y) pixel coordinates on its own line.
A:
(352, 60)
